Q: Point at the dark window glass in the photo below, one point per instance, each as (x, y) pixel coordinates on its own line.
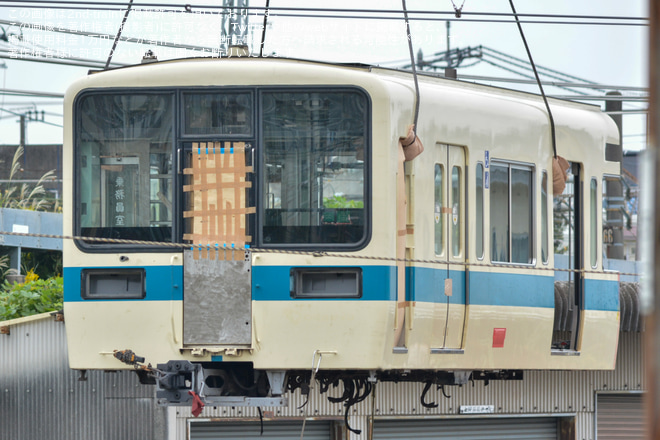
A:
(438, 211)
(313, 171)
(124, 166)
(499, 212)
(456, 209)
(521, 215)
(593, 224)
(544, 218)
(479, 211)
(218, 113)
(511, 213)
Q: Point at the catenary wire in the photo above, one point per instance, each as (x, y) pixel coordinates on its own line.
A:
(314, 13)
(192, 7)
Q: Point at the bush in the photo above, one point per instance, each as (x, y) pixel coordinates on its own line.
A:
(30, 298)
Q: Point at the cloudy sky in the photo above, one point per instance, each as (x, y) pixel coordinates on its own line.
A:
(580, 42)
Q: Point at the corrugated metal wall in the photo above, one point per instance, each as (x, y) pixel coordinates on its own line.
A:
(41, 398)
(560, 394)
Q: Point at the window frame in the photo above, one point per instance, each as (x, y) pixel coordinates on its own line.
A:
(545, 238)
(439, 239)
(593, 223)
(367, 176)
(98, 246)
(511, 165)
(178, 139)
(480, 220)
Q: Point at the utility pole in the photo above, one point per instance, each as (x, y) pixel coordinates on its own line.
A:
(23, 123)
(234, 24)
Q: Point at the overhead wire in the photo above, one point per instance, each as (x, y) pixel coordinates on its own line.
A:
(538, 80)
(191, 8)
(32, 120)
(542, 68)
(522, 65)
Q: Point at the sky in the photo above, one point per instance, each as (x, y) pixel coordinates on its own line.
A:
(613, 55)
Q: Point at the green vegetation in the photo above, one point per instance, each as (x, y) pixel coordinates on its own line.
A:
(340, 202)
(35, 295)
(31, 297)
(17, 196)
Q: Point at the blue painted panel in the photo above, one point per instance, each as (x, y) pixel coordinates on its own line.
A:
(428, 285)
(163, 283)
(601, 295)
(273, 283)
(33, 222)
(509, 289)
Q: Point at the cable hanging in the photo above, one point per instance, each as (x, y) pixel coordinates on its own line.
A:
(263, 31)
(121, 27)
(538, 80)
(412, 62)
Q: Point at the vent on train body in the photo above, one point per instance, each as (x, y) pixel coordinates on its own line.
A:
(113, 283)
(331, 282)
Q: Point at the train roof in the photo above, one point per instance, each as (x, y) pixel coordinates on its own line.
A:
(277, 71)
(425, 76)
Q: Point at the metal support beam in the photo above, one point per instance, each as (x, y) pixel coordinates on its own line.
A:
(652, 239)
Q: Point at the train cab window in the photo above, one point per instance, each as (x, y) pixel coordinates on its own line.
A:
(124, 166)
(479, 211)
(438, 215)
(313, 172)
(511, 213)
(545, 240)
(593, 224)
(227, 113)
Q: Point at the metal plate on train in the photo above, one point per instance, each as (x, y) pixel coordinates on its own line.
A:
(217, 306)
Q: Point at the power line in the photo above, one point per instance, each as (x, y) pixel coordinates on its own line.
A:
(190, 8)
(546, 69)
(32, 120)
(109, 37)
(7, 55)
(295, 12)
(31, 93)
(553, 83)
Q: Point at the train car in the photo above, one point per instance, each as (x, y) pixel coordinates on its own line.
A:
(244, 226)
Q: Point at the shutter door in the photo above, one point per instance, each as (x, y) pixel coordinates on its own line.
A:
(467, 428)
(619, 416)
(314, 430)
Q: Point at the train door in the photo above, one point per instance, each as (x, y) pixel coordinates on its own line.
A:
(450, 223)
(568, 260)
(216, 202)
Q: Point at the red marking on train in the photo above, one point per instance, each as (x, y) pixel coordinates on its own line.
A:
(498, 337)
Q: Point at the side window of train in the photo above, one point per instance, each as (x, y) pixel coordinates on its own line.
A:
(456, 209)
(479, 211)
(545, 238)
(511, 213)
(439, 205)
(593, 223)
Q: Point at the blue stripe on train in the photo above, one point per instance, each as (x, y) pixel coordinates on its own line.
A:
(272, 283)
(163, 283)
(512, 289)
(601, 295)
